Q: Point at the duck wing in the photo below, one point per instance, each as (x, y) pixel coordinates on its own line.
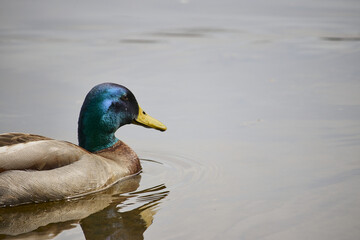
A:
(20, 151)
(8, 139)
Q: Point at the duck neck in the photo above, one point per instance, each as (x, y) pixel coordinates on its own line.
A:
(96, 141)
(92, 137)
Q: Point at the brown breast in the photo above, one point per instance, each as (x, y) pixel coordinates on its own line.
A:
(123, 155)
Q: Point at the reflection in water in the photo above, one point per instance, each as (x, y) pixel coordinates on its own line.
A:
(101, 216)
(189, 32)
(139, 41)
(342, 38)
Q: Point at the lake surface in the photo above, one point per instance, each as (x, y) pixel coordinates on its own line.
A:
(261, 100)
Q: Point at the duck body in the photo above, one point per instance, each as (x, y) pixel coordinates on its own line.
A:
(34, 168)
(44, 170)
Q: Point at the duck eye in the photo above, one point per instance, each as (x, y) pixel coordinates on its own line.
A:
(124, 98)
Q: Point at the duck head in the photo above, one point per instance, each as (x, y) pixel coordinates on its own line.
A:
(107, 107)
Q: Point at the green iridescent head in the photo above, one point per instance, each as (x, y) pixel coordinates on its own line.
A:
(107, 107)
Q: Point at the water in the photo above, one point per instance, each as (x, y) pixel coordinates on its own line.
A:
(261, 100)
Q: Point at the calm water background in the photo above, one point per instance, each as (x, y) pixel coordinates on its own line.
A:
(261, 99)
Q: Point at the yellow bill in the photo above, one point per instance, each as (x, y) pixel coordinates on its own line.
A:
(147, 121)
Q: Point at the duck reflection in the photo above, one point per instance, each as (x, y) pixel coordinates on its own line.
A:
(119, 212)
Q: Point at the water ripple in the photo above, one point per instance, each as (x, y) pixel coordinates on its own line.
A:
(175, 171)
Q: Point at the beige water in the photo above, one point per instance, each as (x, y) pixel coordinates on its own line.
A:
(261, 100)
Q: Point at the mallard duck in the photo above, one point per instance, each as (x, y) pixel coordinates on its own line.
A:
(34, 168)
